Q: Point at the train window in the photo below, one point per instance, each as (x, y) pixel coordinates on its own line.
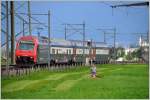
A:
(26, 46)
(53, 51)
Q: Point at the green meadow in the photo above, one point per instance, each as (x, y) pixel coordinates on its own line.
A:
(113, 82)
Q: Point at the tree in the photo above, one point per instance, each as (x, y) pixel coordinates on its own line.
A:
(120, 52)
(137, 53)
(128, 56)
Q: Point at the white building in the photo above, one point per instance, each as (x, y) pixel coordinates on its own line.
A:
(127, 50)
(142, 42)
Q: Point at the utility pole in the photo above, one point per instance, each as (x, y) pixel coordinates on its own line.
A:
(148, 36)
(114, 32)
(104, 34)
(29, 16)
(12, 33)
(7, 38)
(65, 32)
(115, 43)
(104, 37)
(23, 28)
(89, 44)
(84, 42)
(49, 46)
(38, 31)
(38, 34)
(79, 30)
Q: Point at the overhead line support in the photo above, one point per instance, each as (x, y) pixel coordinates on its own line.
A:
(12, 33)
(29, 15)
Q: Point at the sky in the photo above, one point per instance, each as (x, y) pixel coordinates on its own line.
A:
(130, 22)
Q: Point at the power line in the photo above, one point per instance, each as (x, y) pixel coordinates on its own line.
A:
(32, 13)
(20, 6)
(70, 25)
(114, 32)
(20, 17)
(36, 20)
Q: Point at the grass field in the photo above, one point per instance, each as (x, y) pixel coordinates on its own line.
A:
(114, 81)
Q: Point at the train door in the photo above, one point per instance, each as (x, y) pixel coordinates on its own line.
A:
(43, 51)
(74, 54)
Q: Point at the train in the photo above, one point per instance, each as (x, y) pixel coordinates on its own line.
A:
(36, 50)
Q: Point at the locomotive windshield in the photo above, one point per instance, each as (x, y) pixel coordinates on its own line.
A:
(26, 45)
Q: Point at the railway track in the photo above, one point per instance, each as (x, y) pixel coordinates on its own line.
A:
(18, 70)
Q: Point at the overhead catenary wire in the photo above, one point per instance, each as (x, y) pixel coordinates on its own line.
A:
(71, 26)
(109, 5)
(17, 34)
(20, 17)
(20, 6)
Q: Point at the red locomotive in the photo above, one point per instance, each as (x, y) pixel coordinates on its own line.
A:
(26, 50)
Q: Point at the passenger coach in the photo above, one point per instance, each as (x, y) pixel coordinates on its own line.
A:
(31, 49)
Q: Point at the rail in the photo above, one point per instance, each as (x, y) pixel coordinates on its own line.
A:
(18, 70)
